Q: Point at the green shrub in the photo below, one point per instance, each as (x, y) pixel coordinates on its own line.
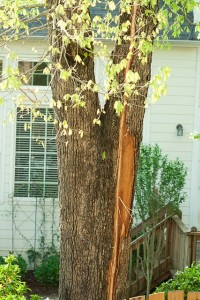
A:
(20, 261)
(188, 280)
(11, 286)
(2, 261)
(48, 271)
(33, 255)
(35, 297)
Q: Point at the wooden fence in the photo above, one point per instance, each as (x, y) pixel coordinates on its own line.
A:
(173, 295)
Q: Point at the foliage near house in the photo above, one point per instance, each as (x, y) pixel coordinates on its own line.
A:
(187, 280)
(19, 261)
(159, 182)
(47, 272)
(11, 285)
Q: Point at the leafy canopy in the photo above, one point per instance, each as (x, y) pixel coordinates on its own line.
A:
(90, 33)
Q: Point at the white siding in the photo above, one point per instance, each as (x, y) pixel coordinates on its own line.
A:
(161, 120)
(176, 108)
(21, 222)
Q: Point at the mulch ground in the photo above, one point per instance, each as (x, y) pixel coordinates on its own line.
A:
(41, 290)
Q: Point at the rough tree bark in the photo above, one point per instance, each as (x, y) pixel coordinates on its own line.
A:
(96, 194)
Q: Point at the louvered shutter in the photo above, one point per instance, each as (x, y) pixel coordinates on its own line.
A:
(36, 158)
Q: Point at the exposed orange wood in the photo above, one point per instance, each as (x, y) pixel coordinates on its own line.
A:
(122, 215)
(125, 179)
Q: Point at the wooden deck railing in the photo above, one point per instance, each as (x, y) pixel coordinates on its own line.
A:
(179, 250)
(179, 244)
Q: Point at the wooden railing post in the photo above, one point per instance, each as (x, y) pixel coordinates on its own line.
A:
(168, 243)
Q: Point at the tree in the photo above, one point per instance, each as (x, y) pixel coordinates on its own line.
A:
(97, 148)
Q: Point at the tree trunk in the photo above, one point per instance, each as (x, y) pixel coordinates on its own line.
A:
(95, 193)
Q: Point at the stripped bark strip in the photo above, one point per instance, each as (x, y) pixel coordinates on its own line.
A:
(125, 179)
(123, 199)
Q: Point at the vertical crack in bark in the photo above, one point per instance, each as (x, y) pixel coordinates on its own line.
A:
(125, 179)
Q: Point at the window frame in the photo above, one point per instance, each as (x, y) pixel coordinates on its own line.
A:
(29, 168)
(33, 59)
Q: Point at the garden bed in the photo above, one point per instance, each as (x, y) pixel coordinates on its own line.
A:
(45, 291)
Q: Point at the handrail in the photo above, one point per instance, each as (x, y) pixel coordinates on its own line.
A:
(160, 214)
(151, 229)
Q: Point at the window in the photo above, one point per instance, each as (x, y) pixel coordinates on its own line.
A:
(34, 73)
(36, 158)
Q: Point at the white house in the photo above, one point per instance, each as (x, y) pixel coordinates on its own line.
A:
(28, 175)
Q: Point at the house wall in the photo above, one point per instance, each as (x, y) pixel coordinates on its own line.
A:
(178, 107)
(22, 220)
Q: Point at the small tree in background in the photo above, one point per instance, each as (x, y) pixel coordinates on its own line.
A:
(159, 184)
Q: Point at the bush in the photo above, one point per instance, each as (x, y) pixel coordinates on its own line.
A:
(188, 280)
(19, 261)
(11, 286)
(48, 271)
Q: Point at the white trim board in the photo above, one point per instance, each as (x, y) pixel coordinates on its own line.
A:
(195, 185)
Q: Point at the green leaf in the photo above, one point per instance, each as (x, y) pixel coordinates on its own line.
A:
(103, 155)
(111, 5)
(64, 74)
(78, 58)
(118, 106)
